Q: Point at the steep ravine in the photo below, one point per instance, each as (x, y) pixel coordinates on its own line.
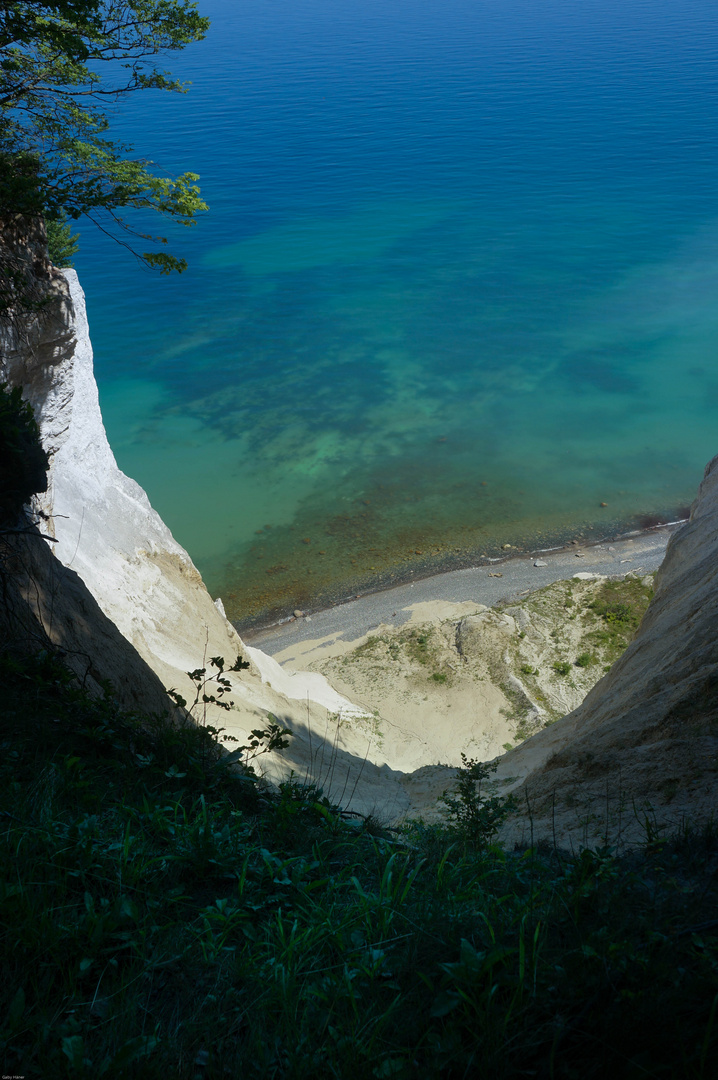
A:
(373, 725)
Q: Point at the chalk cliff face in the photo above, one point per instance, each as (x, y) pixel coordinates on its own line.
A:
(109, 534)
(117, 588)
(643, 745)
(36, 344)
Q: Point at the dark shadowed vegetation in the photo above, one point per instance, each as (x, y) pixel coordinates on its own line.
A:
(164, 915)
(23, 462)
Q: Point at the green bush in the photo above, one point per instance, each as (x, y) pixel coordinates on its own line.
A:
(561, 667)
(62, 244)
(621, 604)
(474, 816)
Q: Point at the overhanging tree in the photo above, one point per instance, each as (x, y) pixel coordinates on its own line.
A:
(62, 62)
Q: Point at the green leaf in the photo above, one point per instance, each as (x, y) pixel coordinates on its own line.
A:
(446, 1001)
(73, 1048)
(389, 1067)
(16, 1010)
(132, 1050)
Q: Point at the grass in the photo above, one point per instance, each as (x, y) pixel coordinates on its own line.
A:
(421, 645)
(620, 605)
(162, 917)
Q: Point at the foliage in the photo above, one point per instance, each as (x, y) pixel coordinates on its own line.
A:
(476, 818)
(262, 741)
(620, 605)
(158, 919)
(561, 667)
(202, 679)
(418, 643)
(55, 153)
(62, 245)
(23, 462)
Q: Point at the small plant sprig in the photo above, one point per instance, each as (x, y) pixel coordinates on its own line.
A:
(262, 741)
(476, 819)
(201, 679)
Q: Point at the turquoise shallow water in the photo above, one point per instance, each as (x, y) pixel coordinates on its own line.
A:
(457, 287)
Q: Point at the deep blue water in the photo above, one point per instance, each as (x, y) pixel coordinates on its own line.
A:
(458, 286)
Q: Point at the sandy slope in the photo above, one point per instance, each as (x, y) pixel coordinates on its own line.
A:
(464, 678)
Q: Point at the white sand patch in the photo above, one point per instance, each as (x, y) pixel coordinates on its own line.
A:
(435, 611)
(303, 685)
(301, 653)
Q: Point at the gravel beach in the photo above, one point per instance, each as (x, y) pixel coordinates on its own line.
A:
(507, 579)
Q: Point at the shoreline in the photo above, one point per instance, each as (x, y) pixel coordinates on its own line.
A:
(326, 595)
(490, 582)
(316, 574)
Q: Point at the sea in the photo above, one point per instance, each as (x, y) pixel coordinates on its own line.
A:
(457, 287)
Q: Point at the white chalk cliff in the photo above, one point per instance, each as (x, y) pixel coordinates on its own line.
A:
(106, 537)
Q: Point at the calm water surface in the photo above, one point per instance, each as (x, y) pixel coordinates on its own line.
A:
(458, 286)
